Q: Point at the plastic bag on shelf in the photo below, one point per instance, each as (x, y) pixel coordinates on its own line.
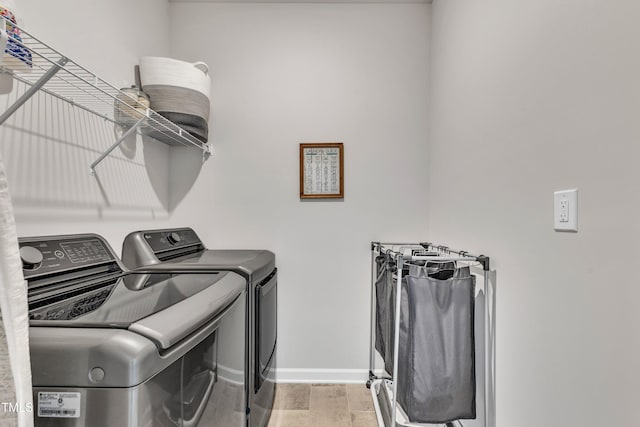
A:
(16, 56)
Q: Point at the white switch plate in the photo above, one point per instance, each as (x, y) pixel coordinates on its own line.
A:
(565, 210)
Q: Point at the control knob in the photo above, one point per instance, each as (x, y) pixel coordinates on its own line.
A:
(31, 257)
(174, 238)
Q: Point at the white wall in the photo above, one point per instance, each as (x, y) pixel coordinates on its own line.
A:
(530, 97)
(284, 74)
(47, 146)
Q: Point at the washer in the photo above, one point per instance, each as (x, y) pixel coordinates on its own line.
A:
(105, 353)
(180, 250)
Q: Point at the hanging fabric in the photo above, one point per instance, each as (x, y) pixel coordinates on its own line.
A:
(15, 365)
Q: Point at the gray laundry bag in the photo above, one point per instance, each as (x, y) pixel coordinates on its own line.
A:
(385, 309)
(382, 304)
(404, 321)
(436, 366)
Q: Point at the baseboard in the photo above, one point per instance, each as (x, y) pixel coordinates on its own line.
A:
(326, 376)
(231, 375)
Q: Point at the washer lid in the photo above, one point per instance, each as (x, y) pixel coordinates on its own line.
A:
(174, 323)
(117, 306)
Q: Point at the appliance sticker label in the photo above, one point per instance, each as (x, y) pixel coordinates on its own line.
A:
(59, 405)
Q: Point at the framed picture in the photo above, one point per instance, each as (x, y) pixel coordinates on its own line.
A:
(322, 170)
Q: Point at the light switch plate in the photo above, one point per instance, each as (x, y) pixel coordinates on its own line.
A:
(565, 210)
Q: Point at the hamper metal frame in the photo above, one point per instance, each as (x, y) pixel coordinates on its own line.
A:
(402, 253)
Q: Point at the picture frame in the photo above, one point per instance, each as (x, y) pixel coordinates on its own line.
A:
(322, 170)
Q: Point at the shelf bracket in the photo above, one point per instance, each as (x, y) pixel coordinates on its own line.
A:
(120, 140)
(33, 89)
(206, 153)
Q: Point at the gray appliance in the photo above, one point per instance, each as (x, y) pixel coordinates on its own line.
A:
(180, 250)
(105, 353)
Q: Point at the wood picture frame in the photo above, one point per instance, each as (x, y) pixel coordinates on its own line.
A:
(322, 170)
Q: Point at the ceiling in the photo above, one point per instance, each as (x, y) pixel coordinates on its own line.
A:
(300, 1)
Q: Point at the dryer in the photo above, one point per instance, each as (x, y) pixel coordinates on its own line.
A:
(181, 251)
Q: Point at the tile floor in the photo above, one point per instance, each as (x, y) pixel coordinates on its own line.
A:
(323, 405)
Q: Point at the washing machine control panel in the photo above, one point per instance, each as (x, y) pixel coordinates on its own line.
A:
(46, 256)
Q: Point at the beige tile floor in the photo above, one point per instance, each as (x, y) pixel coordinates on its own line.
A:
(322, 405)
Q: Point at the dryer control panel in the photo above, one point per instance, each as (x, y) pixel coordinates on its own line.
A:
(149, 247)
(160, 241)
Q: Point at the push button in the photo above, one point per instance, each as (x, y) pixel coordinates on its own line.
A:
(96, 375)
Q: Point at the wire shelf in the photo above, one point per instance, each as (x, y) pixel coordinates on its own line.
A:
(40, 66)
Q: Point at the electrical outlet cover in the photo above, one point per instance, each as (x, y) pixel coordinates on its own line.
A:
(565, 210)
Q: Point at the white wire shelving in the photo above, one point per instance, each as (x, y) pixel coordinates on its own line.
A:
(43, 68)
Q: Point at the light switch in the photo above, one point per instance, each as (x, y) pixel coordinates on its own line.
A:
(565, 210)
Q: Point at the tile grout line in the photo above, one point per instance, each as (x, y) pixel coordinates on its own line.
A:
(346, 389)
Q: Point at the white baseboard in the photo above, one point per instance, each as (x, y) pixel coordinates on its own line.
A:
(231, 375)
(325, 376)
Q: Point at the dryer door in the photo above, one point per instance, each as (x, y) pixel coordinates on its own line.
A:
(266, 327)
